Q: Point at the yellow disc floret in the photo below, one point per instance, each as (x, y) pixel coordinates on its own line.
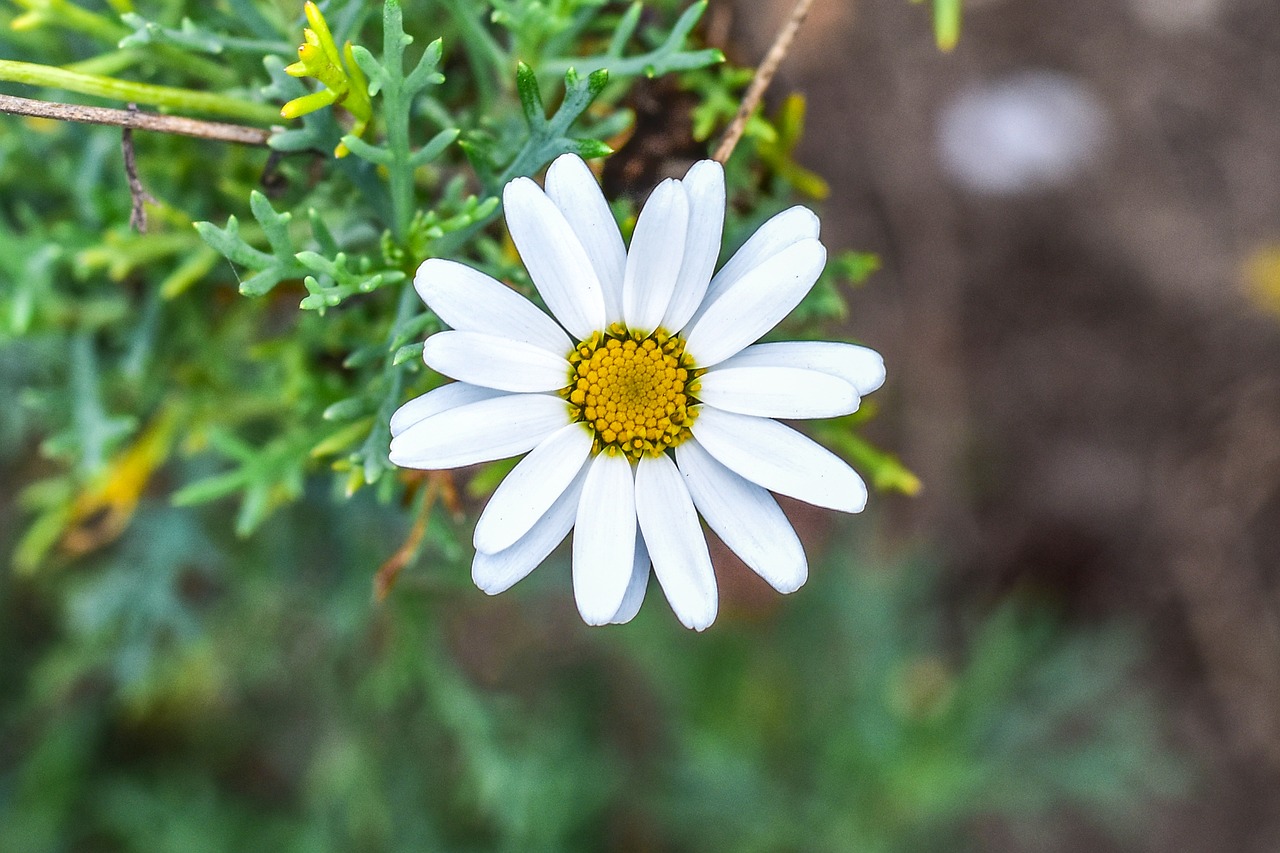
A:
(633, 392)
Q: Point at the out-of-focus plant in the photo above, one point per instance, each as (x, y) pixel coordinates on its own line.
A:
(208, 692)
(946, 22)
(900, 728)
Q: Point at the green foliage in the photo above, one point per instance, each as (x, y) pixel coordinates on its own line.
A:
(190, 36)
(269, 268)
(885, 733)
(195, 692)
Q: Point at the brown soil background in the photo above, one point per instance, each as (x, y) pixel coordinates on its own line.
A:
(1078, 375)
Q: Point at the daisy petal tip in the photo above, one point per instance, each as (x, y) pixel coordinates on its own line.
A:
(486, 587)
(427, 272)
(485, 542)
(518, 191)
(593, 617)
(705, 170)
(793, 580)
(875, 379)
(567, 160)
(521, 184)
(816, 252)
(593, 614)
(857, 502)
(695, 612)
(400, 457)
(624, 615)
(699, 621)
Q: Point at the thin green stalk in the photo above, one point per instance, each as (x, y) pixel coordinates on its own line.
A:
(209, 70)
(489, 62)
(261, 46)
(189, 100)
(396, 109)
(113, 62)
(400, 171)
(60, 13)
(379, 437)
(106, 64)
(71, 16)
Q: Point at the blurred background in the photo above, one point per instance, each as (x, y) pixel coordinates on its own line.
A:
(1067, 640)
(1078, 212)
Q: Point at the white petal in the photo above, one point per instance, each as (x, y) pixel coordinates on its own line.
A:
(471, 301)
(782, 230)
(495, 362)
(531, 487)
(495, 573)
(861, 367)
(675, 542)
(604, 539)
(755, 303)
(480, 432)
(554, 257)
(438, 400)
(704, 184)
(777, 392)
(573, 189)
(636, 587)
(746, 517)
(653, 262)
(780, 459)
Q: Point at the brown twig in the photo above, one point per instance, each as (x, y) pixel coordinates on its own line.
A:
(764, 76)
(439, 486)
(133, 119)
(137, 192)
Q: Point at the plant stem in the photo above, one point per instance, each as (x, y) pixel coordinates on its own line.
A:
(181, 125)
(764, 76)
(489, 62)
(108, 64)
(72, 17)
(60, 13)
(396, 109)
(34, 74)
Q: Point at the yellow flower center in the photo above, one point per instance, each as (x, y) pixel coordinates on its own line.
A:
(633, 392)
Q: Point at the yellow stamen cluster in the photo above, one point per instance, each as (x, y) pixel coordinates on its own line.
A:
(632, 391)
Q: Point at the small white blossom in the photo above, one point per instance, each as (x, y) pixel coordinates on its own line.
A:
(644, 402)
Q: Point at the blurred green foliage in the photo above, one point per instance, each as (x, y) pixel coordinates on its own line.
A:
(189, 656)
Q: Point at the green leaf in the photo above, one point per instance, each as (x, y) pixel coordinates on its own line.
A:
(408, 352)
(345, 410)
(193, 37)
(548, 138)
(668, 57)
(531, 98)
(269, 269)
(435, 147)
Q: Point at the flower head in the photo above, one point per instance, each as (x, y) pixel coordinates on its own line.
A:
(343, 81)
(644, 402)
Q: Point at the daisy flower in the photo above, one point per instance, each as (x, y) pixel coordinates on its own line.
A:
(643, 400)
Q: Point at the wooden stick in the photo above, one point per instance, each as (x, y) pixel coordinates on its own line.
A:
(764, 76)
(137, 192)
(182, 125)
